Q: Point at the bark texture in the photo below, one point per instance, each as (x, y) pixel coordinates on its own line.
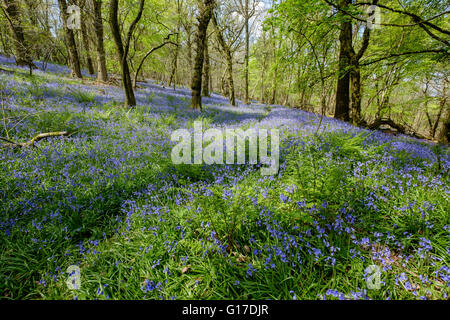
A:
(74, 59)
(11, 11)
(342, 108)
(206, 12)
(102, 72)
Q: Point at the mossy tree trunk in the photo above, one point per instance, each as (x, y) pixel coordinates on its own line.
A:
(206, 12)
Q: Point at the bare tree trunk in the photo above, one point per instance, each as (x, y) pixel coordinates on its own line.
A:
(11, 10)
(173, 73)
(232, 94)
(263, 89)
(263, 70)
(355, 75)
(229, 62)
(342, 108)
(102, 72)
(4, 40)
(85, 40)
(122, 50)
(247, 53)
(206, 75)
(203, 21)
(189, 51)
(355, 85)
(74, 59)
(442, 130)
(274, 85)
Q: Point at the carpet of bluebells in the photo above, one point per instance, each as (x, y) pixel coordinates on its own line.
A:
(108, 199)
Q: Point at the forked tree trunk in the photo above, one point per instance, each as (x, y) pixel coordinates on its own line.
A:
(355, 75)
(122, 50)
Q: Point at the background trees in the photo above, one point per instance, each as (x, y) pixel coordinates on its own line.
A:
(321, 56)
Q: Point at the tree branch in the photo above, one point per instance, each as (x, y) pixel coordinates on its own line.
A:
(392, 55)
(12, 144)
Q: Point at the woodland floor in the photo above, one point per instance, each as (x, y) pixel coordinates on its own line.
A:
(108, 199)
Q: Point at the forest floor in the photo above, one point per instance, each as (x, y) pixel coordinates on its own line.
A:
(108, 199)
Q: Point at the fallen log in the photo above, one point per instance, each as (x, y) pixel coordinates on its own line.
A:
(41, 136)
(394, 125)
(379, 122)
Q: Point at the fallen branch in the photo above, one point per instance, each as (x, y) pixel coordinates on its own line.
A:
(6, 71)
(12, 144)
(400, 128)
(379, 122)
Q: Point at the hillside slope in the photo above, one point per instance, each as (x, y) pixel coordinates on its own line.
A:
(108, 199)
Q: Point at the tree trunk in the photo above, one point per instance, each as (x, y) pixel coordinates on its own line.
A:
(86, 45)
(203, 21)
(122, 50)
(206, 68)
(4, 41)
(232, 94)
(11, 10)
(189, 52)
(74, 59)
(263, 84)
(102, 72)
(274, 85)
(342, 108)
(247, 53)
(355, 74)
(226, 50)
(224, 84)
(173, 73)
(355, 79)
(442, 131)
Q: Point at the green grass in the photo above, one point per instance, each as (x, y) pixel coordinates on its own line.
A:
(141, 228)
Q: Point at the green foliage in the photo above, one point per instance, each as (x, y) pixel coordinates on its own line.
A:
(83, 96)
(319, 167)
